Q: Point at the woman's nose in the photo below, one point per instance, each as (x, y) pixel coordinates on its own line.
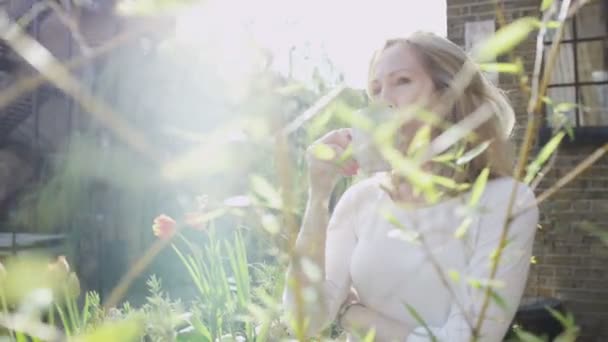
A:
(388, 98)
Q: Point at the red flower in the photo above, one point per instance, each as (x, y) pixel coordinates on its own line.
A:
(164, 226)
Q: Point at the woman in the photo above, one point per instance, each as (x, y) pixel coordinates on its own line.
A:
(355, 250)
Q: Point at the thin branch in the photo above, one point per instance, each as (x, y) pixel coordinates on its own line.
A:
(437, 266)
(312, 111)
(285, 175)
(543, 172)
(538, 58)
(580, 168)
(531, 131)
(134, 271)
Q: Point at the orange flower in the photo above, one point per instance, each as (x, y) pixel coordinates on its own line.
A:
(60, 266)
(164, 226)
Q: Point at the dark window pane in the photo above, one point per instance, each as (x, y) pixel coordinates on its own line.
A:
(561, 95)
(591, 20)
(563, 70)
(594, 105)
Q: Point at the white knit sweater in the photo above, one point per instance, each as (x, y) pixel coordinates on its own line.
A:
(391, 268)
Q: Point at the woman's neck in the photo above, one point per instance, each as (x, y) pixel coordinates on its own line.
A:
(400, 190)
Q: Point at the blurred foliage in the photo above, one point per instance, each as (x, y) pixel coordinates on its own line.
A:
(214, 135)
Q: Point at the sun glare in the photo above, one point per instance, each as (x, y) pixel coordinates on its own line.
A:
(305, 34)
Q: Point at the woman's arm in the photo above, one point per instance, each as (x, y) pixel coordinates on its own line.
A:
(318, 277)
(325, 244)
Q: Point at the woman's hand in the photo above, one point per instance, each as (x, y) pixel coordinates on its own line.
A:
(323, 174)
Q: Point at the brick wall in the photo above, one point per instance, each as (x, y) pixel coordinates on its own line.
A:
(572, 264)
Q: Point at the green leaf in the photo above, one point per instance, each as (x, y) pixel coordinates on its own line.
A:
(564, 107)
(122, 331)
(470, 155)
(479, 187)
(421, 139)
(355, 119)
(346, 155)
(449, 183)
(463, 228)
(404, 235)
(390, 218)
(151, 7)
(543, 156)
(319, 124)
(525, 336)
(545, 4)
(202, 330)
(454, 275)
(266, 191)
(506, 39)
(474, 283)
(421, 321)
(553, 24)
(291, 89)
(565, 320)
(547, 100)
(505, 68)
(498, 299)
(445, 157)
(371, 336)
(270, 224)
(323, 152)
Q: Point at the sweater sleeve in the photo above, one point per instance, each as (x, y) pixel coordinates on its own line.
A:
(325, 300)
(511, 274)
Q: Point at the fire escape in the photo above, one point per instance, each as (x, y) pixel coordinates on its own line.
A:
(20, 132)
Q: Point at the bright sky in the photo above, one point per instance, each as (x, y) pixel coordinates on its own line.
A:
(346, 32)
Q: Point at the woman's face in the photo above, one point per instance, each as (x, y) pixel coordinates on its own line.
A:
(399, 79)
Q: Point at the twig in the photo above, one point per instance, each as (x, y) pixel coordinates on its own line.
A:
(314, 110)
(502, 22)
(437, 266)
(134, 271)
(532, 129)
(543, 172)
(285, 179)
(538, 58)
(580, 168)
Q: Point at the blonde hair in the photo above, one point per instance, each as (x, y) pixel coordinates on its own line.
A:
(443, 60)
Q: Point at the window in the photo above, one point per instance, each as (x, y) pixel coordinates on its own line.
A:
(580, 74)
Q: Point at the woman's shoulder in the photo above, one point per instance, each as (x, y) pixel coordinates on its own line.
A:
(499, 190)
(495, 208)
(364, 189)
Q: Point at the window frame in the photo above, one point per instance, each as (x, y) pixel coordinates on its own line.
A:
(582, 134)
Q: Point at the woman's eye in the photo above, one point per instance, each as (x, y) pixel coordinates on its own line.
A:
(403, 80)
(375, 91)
